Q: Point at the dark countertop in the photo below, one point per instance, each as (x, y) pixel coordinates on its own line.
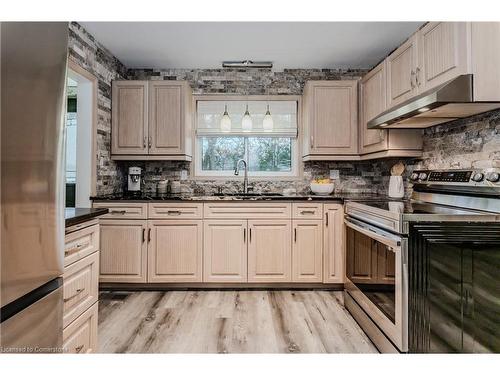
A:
(78, 215)
(338, 197)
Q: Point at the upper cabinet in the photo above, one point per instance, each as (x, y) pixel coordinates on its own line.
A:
(129, 127)
(401, 72)
(151, 120)
(443, 53)
(378, 142)
(330, 119)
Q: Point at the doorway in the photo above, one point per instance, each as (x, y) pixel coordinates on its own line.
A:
(81, 123)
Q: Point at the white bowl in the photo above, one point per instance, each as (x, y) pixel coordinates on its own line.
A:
(322, 189)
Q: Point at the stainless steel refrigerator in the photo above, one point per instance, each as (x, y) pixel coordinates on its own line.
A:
(33, 81)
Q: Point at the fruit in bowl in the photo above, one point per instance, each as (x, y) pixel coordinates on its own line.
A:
(322, 186)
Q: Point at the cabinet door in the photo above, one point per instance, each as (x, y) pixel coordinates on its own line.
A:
(373, 102)
(225, 251)
(333, 244)
(443, 53)
(362, 258)
(175, 250)
(401, 67)
(166, 118)
(386, 264)
(129, 123)
(269, 251)
(307, 251)
(334, 117)
(123, 251)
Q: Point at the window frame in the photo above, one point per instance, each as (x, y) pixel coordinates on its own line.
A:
(296, 173)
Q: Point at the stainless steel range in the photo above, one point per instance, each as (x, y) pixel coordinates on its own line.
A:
(423, 274)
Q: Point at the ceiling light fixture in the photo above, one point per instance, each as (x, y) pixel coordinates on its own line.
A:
(246, 122)
(247, 64)
(225, 121)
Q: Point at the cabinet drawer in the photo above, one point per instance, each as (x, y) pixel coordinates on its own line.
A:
(80, 287)
(307, 211)
(175, 210)
(247, 210)
(124, 210)
(80, 243)
(81, 335)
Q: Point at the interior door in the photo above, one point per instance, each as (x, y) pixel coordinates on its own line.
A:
(165, 118)
(129, 123)
(269, 251)
(175, 250)
(401, 67)
(225, 251)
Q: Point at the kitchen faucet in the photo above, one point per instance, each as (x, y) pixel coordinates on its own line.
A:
(245, 178)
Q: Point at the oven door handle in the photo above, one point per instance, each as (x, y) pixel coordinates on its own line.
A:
(391, 240)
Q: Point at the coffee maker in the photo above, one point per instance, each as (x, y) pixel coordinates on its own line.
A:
(134, 181)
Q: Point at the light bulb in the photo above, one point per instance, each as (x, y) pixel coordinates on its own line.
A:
(246, 122)
(268, 122)
(225, 121)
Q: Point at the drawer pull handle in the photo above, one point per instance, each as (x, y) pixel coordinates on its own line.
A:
(76, 248)
(173, 212)
(79, 348)
(121, 212)
(78, 291)
(307, 212)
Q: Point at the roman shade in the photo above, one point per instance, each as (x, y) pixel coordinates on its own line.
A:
(284, 114)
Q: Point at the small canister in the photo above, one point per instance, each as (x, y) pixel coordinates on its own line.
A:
(176, 187)
(162, 187)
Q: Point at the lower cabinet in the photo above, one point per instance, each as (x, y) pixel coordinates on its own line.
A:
(123, 251)
(81, 335)
(175, 250)
(333, 243)
(269, 251)
(225, 251)
(307, 251)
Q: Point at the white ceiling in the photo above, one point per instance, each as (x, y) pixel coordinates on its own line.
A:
(287, 44)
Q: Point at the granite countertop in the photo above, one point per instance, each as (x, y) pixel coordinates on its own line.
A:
(339, 197)
(76, 215)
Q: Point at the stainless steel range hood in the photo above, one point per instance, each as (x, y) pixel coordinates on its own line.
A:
(447, 102)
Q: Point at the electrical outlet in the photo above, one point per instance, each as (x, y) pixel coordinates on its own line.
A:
(334, 174)
(184, 175)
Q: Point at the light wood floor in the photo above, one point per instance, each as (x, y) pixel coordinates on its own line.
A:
(228, 322)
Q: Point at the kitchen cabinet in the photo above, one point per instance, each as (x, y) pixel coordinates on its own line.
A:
(333, 243)
(330, 111)
(269, 251)
(401, 72)
(151, 120)
(225, 251)
(444, 53)
(80, 337)
(379, 142)
(129, 126)
(175, 251)
(307, 251)
(123, 251)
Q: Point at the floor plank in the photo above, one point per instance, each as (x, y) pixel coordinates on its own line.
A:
(276, 321)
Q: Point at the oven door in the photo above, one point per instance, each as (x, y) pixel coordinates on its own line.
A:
(377, 277)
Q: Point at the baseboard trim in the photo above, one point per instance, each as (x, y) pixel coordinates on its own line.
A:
(218, 286)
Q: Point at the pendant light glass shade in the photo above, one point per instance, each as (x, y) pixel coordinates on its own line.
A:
(246, 122)
(225, 121)
(268, 123)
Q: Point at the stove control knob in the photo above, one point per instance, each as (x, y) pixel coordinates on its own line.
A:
(493, 177)
(477, 177)
(414, 176)
(422, 176)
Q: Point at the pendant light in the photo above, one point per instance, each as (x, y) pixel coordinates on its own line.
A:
(225, 121)
(246, 122)
(268, 123)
